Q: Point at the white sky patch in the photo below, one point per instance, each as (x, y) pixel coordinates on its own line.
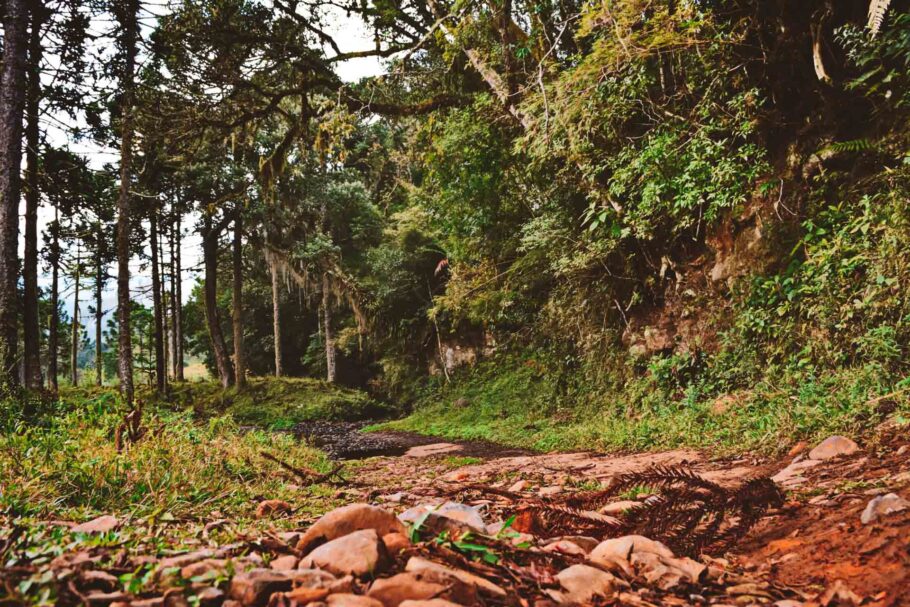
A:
(349, 32)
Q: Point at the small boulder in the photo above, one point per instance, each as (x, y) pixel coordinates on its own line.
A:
(272, 507)
(351, 600)
(283, 563)
(345, 520)
(451, 516)
(418, 564)
(253, 588)
(833, 446)
(883, 505)
(396, 542)
(102, 524)
(393, 591)
(565, 547)
(359, 554)
(582, 584)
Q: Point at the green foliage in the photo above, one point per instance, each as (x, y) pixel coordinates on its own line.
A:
(69, 465)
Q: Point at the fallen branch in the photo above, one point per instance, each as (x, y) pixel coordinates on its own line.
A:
(308, 476)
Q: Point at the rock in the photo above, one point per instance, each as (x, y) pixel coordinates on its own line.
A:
(429, 603)
(272, 507)
(666, 573)
(565, 547)
(419, 565)
(791, 476)
(210, 596)
(256, 586)
(351, 600)
(883, 505)
(723, 403)
(359, 554)
(581, 584)
(182, 560)
(462, 403)
(394, 498)
(451, 516)
(208, 568)
(549, 491)
(434, 449)
(98, 580)
(623, 547)
(283, 563)
(788, 603)
(833, 446)
(393, 591)
(301, 596)
(102, 524)
(839, 594)
(519, 486)
(798, 448)
(96, 597)
(396, 542)
(290, 537)
(619, 507)
(345, 520)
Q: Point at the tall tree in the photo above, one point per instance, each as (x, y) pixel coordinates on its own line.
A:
(12, 102)
(177, 289)
(128, 18)
(74, 344)
(31, 341)
(160, 367)
(237, 299)
(276, 313)
(211, 233)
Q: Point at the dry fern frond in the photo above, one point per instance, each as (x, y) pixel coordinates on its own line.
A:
(877, 11)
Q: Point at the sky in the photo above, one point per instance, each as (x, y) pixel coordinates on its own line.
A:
(350, 33)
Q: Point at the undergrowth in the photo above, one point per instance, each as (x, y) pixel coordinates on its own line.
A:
(67, 465)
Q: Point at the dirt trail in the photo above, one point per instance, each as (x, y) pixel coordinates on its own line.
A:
(815, 540)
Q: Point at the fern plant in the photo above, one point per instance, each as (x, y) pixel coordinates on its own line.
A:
(877, 10)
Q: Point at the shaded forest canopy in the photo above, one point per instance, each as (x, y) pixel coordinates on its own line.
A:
(638, 208)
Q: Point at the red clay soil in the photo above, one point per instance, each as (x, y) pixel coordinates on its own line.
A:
(820, 539)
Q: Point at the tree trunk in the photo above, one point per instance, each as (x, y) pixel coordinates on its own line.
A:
(165, 302)
(12, 101)
(125, 355)
(99, 314)
(237, 301)
(160, 369)
(54, 321)
(74, 343)
(31, 342)
(178, 306)
(276, 318)
(327, 329)
(210, 260)
(172, 295)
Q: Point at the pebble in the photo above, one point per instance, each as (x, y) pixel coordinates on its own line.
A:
(881, 506)
(833, 446)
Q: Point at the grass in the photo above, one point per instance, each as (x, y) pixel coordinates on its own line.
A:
(518, 404)
(275, 403)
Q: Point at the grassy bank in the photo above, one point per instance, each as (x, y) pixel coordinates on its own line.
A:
(516, 400)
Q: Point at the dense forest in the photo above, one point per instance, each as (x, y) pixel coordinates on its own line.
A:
(643, 264)
(631, 208)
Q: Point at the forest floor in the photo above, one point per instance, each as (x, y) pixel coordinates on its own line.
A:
(813, 551)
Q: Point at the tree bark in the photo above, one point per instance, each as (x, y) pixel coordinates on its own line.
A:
(276, 318)
(210, 261)
(12, 102)
(125, 356)
(160, 369)
(74, 343)
(172, 294)
(178, 306)
(31, 341)
(327, 330)
(99, 314)
(165, 302)
(54, 321)
(237, 301)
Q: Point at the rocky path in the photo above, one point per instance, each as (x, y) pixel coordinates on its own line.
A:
(446, 524)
